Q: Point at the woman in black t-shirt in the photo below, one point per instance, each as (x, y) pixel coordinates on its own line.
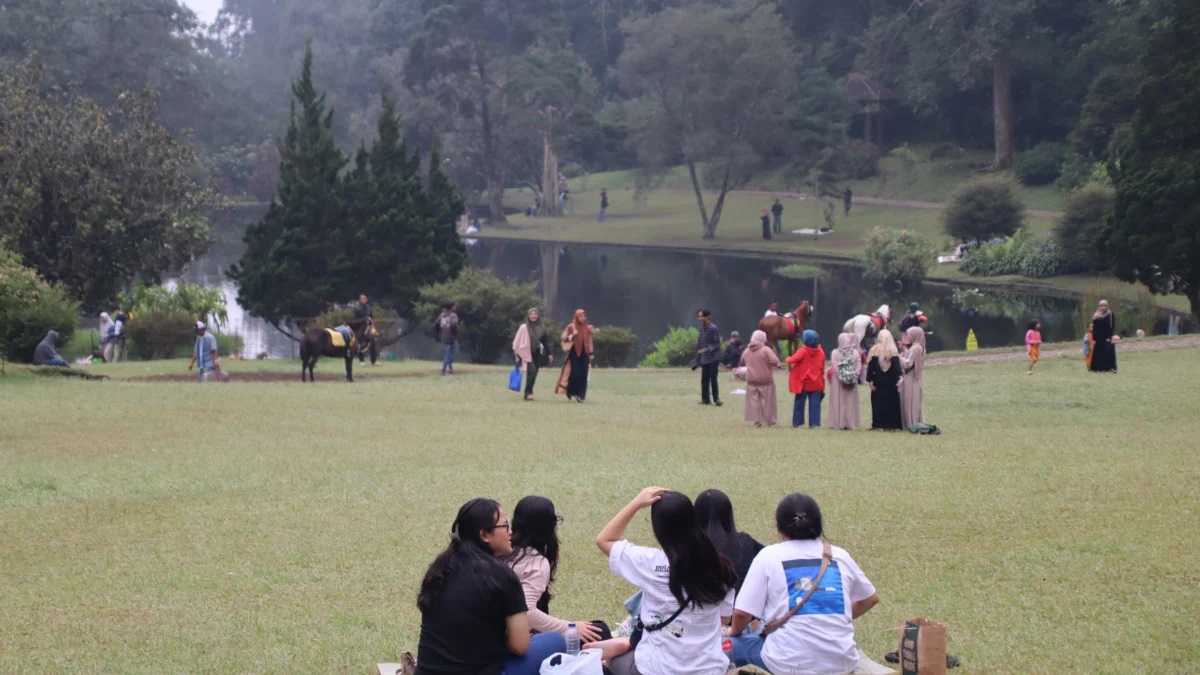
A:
(715, 513)
(473, 613)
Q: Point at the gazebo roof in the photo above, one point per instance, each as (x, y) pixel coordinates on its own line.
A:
(862, 88)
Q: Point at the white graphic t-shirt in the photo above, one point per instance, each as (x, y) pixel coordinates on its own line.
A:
(689, 644)
(819, 639)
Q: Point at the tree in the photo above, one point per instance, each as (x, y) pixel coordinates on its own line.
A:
(296, 261)
(1078, 231)
(1154, 236)
(983, 208)
(94, 199)
(490, 310)
(708, 91)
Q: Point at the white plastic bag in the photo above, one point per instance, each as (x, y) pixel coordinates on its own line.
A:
(587, 662)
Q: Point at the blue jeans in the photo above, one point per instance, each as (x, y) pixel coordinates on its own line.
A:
(747, 651)
(541, 647)
(777, 223)
(814, 408)
(448, 358)
(603, 216)
(57, 361)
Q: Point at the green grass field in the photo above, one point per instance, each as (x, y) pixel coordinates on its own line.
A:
(279, 527)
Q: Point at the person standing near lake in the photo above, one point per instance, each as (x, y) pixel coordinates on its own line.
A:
(603, 206)
(760, 362)
(1033, 343)
(708, 357)
(766, 223)
(885, 376)
(204, 354)
(807, 380)
(844, 375)
(777, 213)
(532, 349)
(912, 385)
(1104, 329)
(847, 199)
(580, 354)
(362, 310)
(447, 326)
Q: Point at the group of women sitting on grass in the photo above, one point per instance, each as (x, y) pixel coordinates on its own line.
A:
(786, 608)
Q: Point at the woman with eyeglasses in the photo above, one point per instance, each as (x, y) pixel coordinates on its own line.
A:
(473, 613)
(534, 559)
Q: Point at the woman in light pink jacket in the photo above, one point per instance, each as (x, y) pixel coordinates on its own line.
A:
(760, 362)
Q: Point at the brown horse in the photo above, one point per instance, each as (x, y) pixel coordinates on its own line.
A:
(317, 343)
(787, 326)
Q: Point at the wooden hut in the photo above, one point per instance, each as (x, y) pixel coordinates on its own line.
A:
(870, 95)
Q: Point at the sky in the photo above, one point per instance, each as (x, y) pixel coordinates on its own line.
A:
(205, 9)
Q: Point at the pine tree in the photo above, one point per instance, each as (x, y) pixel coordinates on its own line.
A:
(296, 261)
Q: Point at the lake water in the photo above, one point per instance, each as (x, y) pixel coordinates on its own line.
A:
(650, 291)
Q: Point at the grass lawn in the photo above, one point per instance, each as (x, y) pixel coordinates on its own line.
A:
(280, 527)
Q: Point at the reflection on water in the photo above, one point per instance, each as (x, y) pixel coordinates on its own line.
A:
(649, 291)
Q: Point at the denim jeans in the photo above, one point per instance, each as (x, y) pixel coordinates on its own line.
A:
(448, 358)
(814, 408)
(541, 647)
(603, 215)
(777, 223)
(57, 361)
(747, 651)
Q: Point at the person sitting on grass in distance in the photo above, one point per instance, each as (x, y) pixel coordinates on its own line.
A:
(733, 351)
(715, 512)
(534, 559)
(474, 620)
(687, 590)
(46, 355)
(819, 637)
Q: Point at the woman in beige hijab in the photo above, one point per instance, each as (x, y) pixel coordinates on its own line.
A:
(843, 396)
(760, 362)
(912, 388)
(885, 377)
(580, 354)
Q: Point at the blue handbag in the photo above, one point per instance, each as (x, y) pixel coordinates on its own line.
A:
(514, 379)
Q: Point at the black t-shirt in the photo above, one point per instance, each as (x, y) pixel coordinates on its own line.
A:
(465, 633)
(749, 548)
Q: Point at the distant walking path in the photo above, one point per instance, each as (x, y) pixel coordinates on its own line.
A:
(872, 201)
(1017, 353)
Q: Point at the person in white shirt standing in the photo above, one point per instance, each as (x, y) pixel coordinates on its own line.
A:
(687, 588)
(773, 310)
(808, 613)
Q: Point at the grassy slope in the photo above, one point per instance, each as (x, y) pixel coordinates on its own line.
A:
(161, 527)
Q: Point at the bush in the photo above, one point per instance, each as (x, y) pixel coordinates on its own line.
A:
(201, 303)
(613, 345)
(29, 308)
(947, 151)
(226, 344)
(897, 256)
(856, 160)
(677, 349)
(984, 208)
(489, 310)
(1041, 164)
(161, 333)
(1026, 256)
(1078, 229)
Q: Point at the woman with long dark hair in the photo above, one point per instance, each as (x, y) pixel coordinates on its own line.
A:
(534, 559)
(687, 588)
(806, 630)
(715, 514)
(473, 612)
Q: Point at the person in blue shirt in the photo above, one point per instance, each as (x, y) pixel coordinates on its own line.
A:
(204, 354)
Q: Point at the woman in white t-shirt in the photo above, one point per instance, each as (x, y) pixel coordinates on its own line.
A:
(687, 588)
(819, 638)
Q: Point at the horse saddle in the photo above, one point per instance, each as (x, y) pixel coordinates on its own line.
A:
(341, 337)
(877, 324)
(793, 322)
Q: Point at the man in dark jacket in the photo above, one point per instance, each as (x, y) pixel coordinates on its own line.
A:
(777, 220)
(733, 351)
(708, 358)
(447, 328)
(362, 310)
(46, 355)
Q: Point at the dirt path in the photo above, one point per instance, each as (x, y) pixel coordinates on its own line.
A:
(876, 201)
(1065, 349)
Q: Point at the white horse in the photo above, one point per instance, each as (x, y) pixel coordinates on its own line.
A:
(866, 326)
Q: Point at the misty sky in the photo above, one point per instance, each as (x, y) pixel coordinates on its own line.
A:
(205, 9)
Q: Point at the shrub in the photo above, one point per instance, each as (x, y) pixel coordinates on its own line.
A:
(29, 308)
(161, 333)
(201, 303)
(227, 344)
(677, 348)
(897, 256)
(1020, 254)
(1076, 171)
(856, 160)
(1041, 164)
(489, 310)
(947, 151)
(1078, 229)
(613, 345)
(983, 208)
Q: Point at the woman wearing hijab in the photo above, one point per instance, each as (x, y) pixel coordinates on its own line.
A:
(885, 377)
(844, 376)
(106, 343)
(760, 362)
(577, 343)
(912, 387)
(807, 380)
(532, 349)
(766, 223)
(1103, 353)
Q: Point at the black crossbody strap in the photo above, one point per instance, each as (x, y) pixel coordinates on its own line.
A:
(667, 622)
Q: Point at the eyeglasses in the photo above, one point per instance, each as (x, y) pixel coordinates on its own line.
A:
(506, 526)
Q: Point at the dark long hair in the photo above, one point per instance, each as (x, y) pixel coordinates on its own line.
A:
(714, 511)
(799, 517)
(466, 552)
(533, 522)
(699, 575)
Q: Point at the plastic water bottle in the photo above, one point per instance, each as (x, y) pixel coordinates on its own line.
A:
(572, 640)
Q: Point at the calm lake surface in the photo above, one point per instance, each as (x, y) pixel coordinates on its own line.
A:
(650, 291)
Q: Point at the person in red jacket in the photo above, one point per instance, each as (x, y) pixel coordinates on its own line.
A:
(807, 380)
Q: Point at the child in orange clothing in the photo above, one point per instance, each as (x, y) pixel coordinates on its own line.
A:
(807, 380)
(1033, 343)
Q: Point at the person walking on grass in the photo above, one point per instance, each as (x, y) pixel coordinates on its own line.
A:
(447, 325)
(765, 216)
(362, 310)
(531, 349)
(847, 199)
(1033, 343)
(579, 355)
(204, 354)
(777, 214)
(807, 380)
(708, 358)
(603, 206)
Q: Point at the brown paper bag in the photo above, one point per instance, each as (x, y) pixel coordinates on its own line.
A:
(922, 647)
